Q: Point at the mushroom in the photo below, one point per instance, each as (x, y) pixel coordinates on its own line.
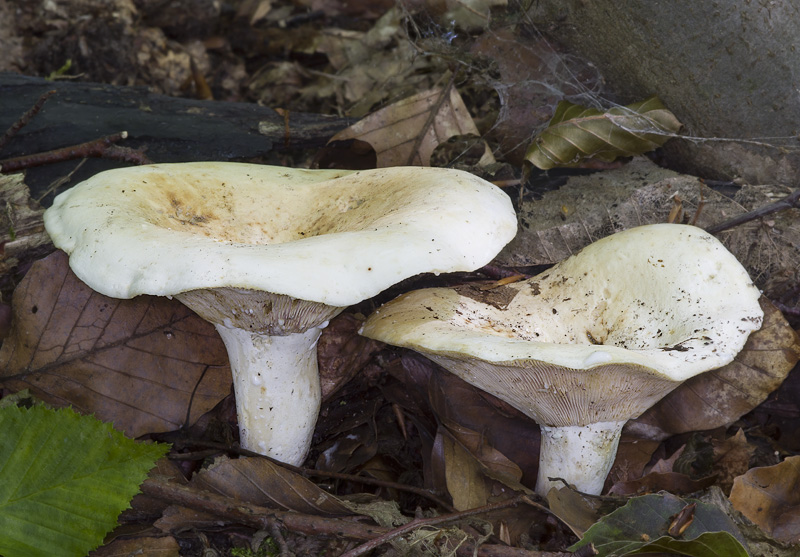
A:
(590, 343)
(269, 255)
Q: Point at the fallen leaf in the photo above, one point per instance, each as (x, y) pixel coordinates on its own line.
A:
(578, 510)
(134, 363)
(770, 497)
(505, 442)
(406, 133)
(732, 459)
(260, 482)
(342, 353)
(576, 133)
(720, 397)
(465, 481)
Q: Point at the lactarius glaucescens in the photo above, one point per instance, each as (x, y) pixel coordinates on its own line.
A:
(590, 343)
(269, 255)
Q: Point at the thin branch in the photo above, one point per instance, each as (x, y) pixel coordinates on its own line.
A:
(102, 147)
(435, 521)
(791, 201)
(25, 118)
(256, 516)
(263, 518)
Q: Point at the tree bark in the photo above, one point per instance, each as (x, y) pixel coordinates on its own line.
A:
(726, 69)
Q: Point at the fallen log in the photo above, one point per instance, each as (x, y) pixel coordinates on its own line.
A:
(168, 129)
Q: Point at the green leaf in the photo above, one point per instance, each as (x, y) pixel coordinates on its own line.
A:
(576, 133)
(65, 479)
(640, 527)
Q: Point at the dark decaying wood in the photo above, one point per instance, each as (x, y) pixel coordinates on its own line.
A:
(169, 129)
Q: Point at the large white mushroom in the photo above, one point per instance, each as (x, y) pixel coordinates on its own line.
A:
(270, 254)
(590, 343)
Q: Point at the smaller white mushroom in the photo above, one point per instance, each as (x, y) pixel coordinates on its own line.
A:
(592, 342)
(269, 255)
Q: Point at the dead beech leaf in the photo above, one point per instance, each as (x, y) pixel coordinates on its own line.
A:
(130, 362)
(503, 440)
(731, 459)
(720, 397)
(260, 482)
(576, 133)
(342, 353)
(770, 497)
(464, 477)
(406, 133)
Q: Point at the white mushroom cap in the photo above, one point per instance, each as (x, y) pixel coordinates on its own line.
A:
(595, 340)
(329, 236)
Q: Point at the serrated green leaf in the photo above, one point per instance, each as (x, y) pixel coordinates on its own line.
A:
(576, 133)
(641, 526)
(65, 479)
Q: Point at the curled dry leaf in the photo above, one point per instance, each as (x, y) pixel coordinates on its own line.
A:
(406, 132)
(498, 436)
(131, 362)
(770, 497)
(576, 133)
(720, 397)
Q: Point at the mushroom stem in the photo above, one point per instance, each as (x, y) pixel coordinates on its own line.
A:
(581, 455)
(276, 383)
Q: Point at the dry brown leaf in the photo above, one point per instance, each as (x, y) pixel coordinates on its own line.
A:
(506, 442)
(770, 497)
(577, 510)
(131, 362)
(406, 132)
(632, 458)
(720, 397)
(731, 459)
(260, 482)
(464, 477)
(342, 353)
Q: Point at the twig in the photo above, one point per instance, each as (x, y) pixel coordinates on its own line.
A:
(787, 310)
(102, 147)
(791, 201)
(435, 521)
(263, 518)
(24, 119)
(256, 516)
(277, 536)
